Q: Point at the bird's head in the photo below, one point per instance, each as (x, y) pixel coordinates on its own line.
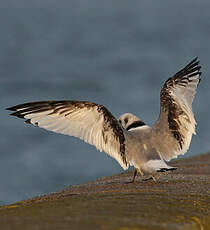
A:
(129, 121)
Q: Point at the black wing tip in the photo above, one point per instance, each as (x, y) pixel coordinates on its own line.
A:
(193, 64)
(196, 59)
(198, 68)
(16, 107)
(11, 108)
(192, 69)
(28, 104)
(17, 114)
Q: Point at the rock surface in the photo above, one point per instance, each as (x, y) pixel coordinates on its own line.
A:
(178, 200)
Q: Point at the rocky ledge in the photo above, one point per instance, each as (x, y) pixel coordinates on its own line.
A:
(178, 200)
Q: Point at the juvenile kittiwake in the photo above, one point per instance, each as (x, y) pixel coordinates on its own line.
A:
(129, 140)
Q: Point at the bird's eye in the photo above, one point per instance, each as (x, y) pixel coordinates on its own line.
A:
(120, 121)
(126, 120)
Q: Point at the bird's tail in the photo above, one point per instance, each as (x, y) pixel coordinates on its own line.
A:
(166, 169)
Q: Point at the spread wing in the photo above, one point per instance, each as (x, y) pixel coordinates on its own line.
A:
(176, 122)
(90, 122)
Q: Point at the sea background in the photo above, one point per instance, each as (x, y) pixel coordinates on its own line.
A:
(116, 53)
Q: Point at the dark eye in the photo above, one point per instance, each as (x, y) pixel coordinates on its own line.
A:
(126, 120)
(120, 121)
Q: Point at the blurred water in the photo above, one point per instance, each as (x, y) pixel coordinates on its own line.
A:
(117, 53)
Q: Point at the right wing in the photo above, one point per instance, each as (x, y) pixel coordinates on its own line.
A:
(173, 130)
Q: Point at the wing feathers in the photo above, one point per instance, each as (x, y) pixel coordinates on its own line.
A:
(89, 121)
(176, 122)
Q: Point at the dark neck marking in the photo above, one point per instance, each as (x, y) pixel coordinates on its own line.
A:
(135, 124)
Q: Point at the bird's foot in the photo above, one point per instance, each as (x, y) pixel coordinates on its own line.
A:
(147, 179)
(151, 178)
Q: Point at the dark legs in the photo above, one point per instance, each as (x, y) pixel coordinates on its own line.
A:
(134, 175)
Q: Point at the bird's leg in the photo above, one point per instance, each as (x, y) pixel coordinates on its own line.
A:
(154, 179)
(134, 175)
(149, 178)
(142, 174)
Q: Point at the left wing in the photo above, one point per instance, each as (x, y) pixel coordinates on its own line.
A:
(91, 122)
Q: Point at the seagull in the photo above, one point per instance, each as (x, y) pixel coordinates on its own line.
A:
(128, 139)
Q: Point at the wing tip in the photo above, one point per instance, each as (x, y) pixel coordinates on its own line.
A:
(17, 114)
(193, 64)
(196, 59)
(11, 108)
(191, 69)
(16, 107)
